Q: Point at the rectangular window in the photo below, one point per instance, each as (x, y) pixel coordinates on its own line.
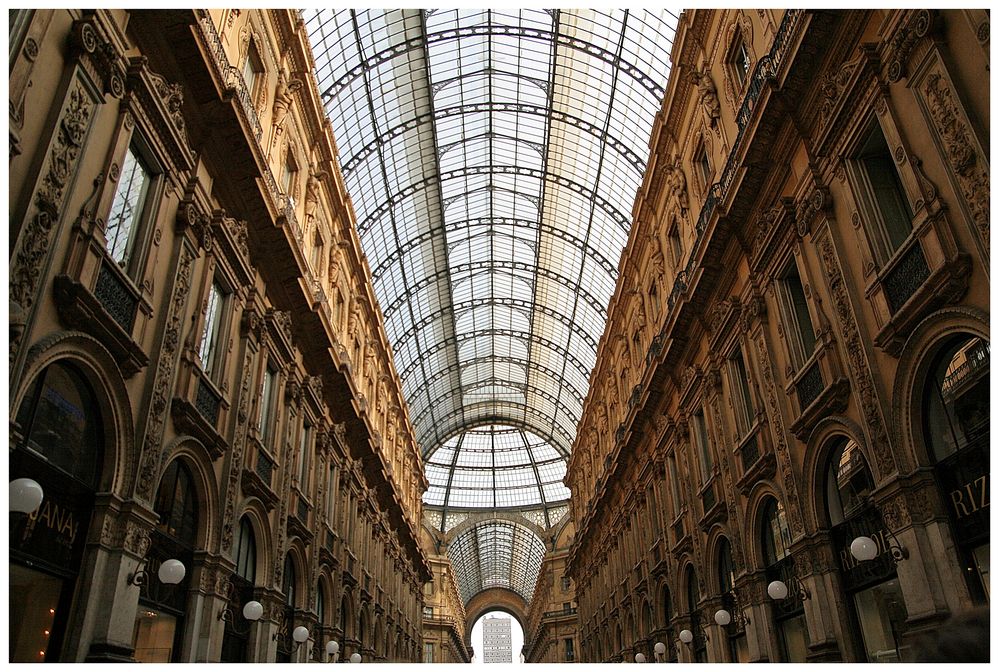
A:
(740, 61)
(267, 403)
(797, 322)
(881, 194)
(675, 245)
(126, 208)
(331, 495)
(570, 654)
(702, 166)
(303, 457)
(674, 481)
(428, 652)
(252, 68)
(703, 446)
(210, 352)
(742, 400)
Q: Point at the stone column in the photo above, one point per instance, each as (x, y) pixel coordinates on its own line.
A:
(204, 632)
(815, 565)
(716, 635)
(760, 634)
(105, 619)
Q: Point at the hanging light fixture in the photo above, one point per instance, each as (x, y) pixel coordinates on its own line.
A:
(333, 650)
(722, 617)
(355, 657)
(686, 636)
(639, 657)
(25, 495)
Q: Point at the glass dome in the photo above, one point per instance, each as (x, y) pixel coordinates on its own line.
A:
(495, 467)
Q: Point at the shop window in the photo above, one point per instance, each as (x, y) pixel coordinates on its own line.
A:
(956, 427)
(789, 614)
(798, 330)
(699, 644)
(742, 399)
(428, 652)
(159, 621)
(130, 206)
(881, 194)
(735, 631)
(570, 653)
(213, 332)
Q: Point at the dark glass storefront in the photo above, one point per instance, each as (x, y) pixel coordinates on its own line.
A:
(58, 438)
(789, 613)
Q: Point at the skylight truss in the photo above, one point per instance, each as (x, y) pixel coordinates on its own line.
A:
(493, 157)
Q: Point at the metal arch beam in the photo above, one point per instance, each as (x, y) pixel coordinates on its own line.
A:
(520, 335)
(471, 304)
(491, 413)
(488, 135)
(468, 547)
(472, 268)
(524, 388)
(481, 108)
(612, 58)
(547, 229)
(489, 72)
(622, 220)
(512, 422)
(527, 364)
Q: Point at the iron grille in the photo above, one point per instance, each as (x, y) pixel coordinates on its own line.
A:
(908, 276)
(749, 453)
(303, 510)
(265, 467)
(708, 498)
(809, 386)
(116, 297)
(208, 402)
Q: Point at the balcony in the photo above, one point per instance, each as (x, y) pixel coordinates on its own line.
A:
(258, 474)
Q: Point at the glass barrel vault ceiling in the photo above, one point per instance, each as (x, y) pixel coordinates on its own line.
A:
(493, 158)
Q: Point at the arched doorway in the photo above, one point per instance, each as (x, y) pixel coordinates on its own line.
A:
(285, 643)
(789, 613)
(58, 438)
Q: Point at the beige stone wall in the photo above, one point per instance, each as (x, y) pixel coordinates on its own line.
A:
(752, 188)
(245, 193)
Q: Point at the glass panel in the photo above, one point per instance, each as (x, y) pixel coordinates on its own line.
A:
(32, 614)
(881, 613)
(154, 635)
(126, 208)
(213, 326)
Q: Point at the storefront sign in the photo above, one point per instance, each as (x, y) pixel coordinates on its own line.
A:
(858, 574)
(964, 480)
(51, 536)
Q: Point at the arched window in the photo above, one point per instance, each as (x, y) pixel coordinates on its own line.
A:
(776, 533)
(59, 419)
(848, 481)
(286, 645)
(246, 551)
(321, 604)
(176, 504)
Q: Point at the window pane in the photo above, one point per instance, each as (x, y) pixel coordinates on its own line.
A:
(213, 326)
(154, 633)
(126, 208)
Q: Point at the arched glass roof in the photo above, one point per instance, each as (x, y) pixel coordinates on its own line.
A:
(495, 467)
(493, 157)
(496, 554)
